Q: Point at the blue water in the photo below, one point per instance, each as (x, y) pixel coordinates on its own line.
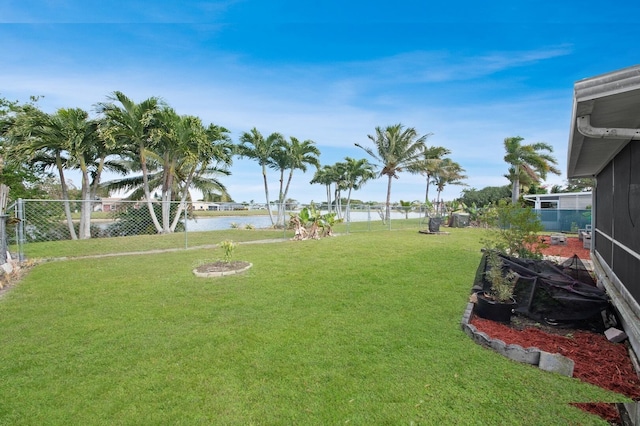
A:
(224, 222)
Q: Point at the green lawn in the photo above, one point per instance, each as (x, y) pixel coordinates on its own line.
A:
(358, 329)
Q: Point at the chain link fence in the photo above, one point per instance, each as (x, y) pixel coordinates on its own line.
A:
(42, 221)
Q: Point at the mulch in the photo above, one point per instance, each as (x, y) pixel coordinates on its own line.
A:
(597, 361)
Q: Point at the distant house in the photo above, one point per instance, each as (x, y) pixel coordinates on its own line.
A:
(560, 201)
(563, 211)
(108, 204)
(604, 143)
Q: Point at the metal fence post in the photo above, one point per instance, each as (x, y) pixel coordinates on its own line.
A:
(186, 229)
(20, 229)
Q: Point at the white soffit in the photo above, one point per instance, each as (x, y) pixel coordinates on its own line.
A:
(610, 105)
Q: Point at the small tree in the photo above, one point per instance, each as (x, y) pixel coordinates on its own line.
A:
(513, 230)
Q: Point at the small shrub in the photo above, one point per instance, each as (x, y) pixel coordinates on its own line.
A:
(502, 285)
(249, 226)
(513, 230)
(234, 225)
(227, 246)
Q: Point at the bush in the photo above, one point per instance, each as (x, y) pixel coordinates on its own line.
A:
(513, 230)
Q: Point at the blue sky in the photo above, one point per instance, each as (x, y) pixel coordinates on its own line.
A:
(470, 73)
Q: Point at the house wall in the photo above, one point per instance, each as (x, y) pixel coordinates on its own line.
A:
(616, 239)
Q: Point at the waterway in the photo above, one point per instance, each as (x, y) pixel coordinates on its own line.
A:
(263, 221)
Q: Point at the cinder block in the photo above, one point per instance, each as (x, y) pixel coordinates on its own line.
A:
(556, 363)
(558, 239)
(614, 335)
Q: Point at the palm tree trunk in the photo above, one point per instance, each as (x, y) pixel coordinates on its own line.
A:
(167, 197)
(329, 198)
(348, 215)
(426, 194)
(515, 191)
(85, 209)
(266, 193)
(147, 192)
(284, 196)
(65, 196)
(183, 198)
(388, 210)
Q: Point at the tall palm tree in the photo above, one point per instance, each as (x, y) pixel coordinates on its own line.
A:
(534, 159)
(67, 140)
(254, 146)
(325, 176)
(429, 163)
(135, 128)
(357, 173)
(187, 155)
(397, 149)
(41, 151)
(448, 173)
(198, 157)
(294, 155)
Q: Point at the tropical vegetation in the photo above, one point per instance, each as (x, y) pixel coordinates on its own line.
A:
(530, 163)
(396, 148)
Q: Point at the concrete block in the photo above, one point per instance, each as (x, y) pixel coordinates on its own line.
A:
(525, 355)
(556, 363)
(558, 239)
(482, 338)
(469, 329)
(498, 346)
(614, 335)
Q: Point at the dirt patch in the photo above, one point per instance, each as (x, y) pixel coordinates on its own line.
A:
(221, 266)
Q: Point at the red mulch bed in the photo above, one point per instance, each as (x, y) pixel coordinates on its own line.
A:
(597, 361)
(573, 246)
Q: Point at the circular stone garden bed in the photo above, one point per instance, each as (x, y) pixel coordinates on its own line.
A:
(221, 268)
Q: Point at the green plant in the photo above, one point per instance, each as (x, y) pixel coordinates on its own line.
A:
(502, 285)
(249, 226)
(228, 247)
(234, 225)
(513, 230)
(308, 223)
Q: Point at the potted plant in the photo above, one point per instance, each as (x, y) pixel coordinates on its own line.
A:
(498, 303)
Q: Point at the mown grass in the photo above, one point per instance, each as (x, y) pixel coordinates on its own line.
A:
(358, 329)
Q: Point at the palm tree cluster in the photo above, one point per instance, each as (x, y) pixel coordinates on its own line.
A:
(276, 153)
(162, 155)
(399, 149)
(349, 175)
(171, 152)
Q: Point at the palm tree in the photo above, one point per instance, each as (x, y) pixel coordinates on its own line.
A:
(135, 128)
(448, 172)
(429, 163)
(357, 173)
(291, 156)
(40, 150)
(66, 140)
(188, 154)
(325, 176)
(397, 149)
(530, 159)
(253, 145)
